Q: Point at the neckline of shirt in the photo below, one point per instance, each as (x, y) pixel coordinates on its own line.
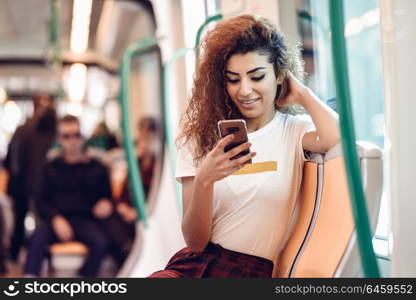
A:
(264, 129)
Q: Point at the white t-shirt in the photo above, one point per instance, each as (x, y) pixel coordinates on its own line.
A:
(251, 212)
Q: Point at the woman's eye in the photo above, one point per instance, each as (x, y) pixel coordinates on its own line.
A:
(258, 78)
(232, 80)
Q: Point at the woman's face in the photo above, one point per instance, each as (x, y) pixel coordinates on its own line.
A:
(252, 85)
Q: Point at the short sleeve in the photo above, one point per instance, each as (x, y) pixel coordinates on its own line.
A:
(303, 125)
(185, 164)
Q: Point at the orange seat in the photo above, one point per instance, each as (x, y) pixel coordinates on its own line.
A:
(68, 248)
(322, 242)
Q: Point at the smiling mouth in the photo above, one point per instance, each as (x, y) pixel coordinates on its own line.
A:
(248, 101)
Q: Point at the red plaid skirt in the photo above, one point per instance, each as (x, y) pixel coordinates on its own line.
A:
(215, 262)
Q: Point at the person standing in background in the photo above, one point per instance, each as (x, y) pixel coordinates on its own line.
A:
(25, 158)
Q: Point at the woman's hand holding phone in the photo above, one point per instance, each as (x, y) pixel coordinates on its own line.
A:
(218, 164)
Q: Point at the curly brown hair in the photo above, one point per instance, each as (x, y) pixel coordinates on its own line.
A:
(209, 101)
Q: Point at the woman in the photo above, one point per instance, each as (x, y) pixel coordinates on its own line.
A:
(236, 224)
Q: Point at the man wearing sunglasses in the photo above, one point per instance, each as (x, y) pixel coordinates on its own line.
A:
(74, 198)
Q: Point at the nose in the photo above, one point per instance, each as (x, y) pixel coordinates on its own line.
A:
(245, 88)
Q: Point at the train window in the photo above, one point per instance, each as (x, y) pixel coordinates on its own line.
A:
(365, 63)
(362, 32)
(361, 28)
(212, 7)
(194, 14)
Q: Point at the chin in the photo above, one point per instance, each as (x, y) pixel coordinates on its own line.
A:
(250, 114)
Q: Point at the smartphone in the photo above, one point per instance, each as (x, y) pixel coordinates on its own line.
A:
(237, 127)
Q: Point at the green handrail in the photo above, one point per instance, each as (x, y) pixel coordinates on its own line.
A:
(368, 258)
(53, 23)
(53, 51)
(170, 139)
(201, 29)
(134, 170)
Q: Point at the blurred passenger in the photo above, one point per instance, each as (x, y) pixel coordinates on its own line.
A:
(120, 230)
(102, 138)
(121, 226)
(40, 142)
(74, 197)
(6, 220)
(25, 158)
(2, 228)
(146, 156)
(3, 269)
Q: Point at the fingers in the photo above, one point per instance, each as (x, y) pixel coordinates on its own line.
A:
(244, 159)
(224, 142)
(233, 152)
(240, 162)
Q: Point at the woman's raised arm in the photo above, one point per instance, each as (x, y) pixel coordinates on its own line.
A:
(327, 132)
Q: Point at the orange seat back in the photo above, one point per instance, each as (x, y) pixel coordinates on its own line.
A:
(325, 223)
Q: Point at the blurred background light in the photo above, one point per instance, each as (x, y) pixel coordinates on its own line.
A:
(11, 116)
(77, 82)
(80, 25)
(3, 95)
(358, 24)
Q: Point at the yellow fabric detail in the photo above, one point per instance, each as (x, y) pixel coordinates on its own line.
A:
(259, 167)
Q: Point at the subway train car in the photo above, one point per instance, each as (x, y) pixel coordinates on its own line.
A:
(95, 93)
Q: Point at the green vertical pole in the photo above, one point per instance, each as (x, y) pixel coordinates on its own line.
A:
(362, 226)
(53, 45)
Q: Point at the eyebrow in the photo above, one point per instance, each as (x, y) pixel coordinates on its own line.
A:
(251, 71)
